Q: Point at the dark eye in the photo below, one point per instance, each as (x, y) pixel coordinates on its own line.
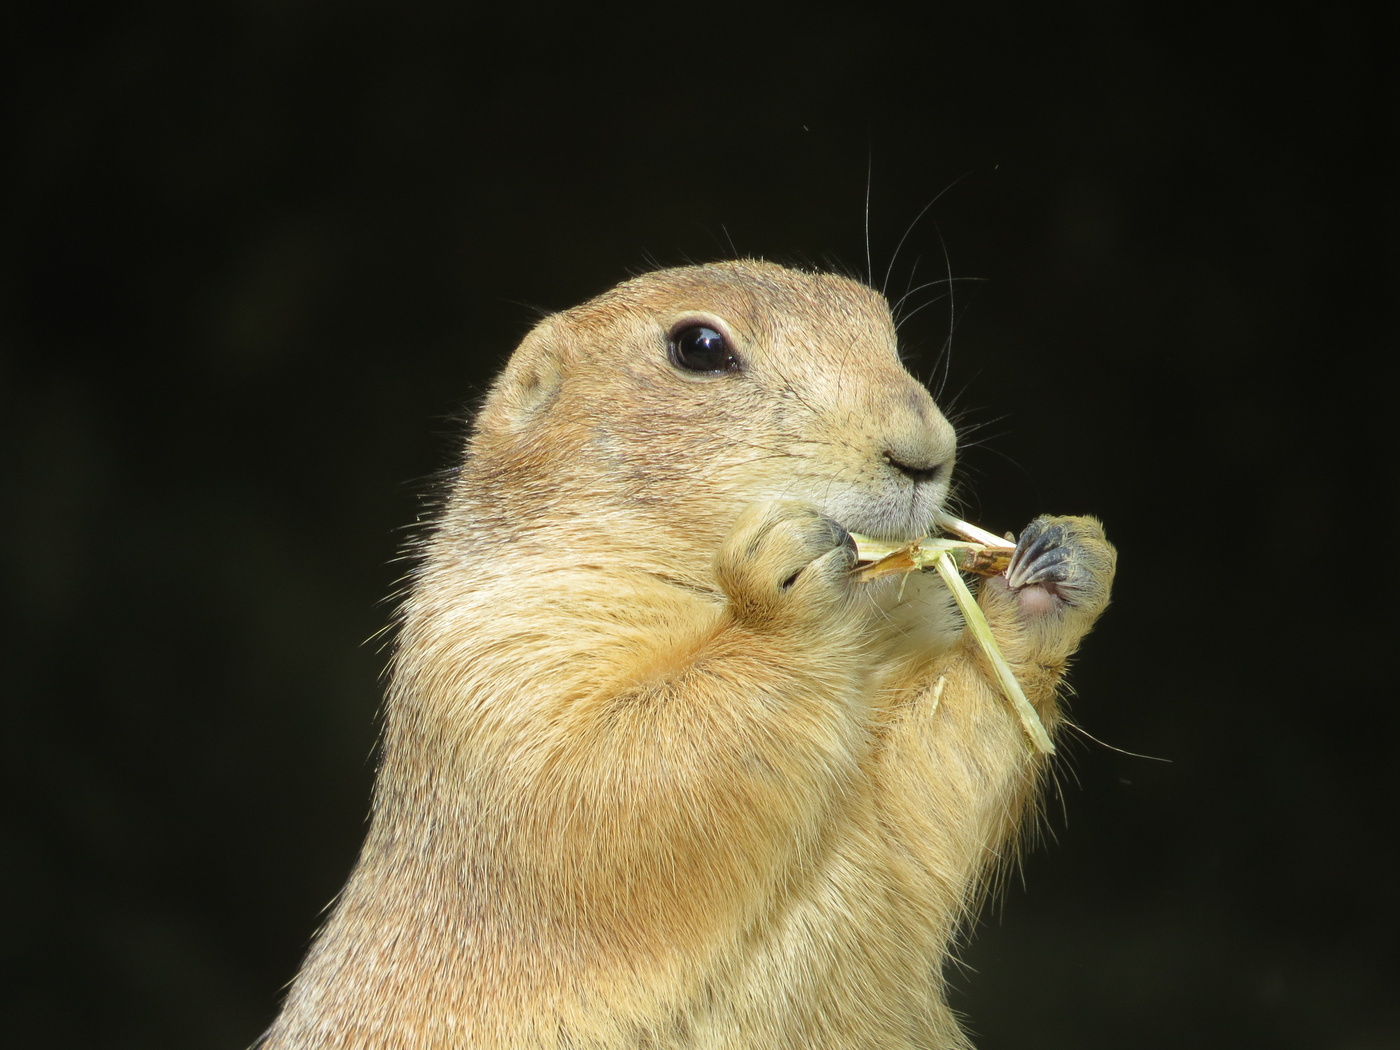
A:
(698, 348)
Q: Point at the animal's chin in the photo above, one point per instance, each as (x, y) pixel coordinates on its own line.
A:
(883, 523)
(888, 535)
(892, 516)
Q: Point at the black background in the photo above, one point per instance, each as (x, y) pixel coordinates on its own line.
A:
(259, 258)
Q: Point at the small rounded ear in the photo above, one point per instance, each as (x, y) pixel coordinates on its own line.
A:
(530, 381)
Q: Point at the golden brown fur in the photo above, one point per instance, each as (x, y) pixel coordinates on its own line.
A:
(655, 772)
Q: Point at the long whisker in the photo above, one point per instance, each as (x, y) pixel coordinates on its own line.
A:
(889, 270)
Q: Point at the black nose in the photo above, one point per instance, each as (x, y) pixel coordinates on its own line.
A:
(917, 471)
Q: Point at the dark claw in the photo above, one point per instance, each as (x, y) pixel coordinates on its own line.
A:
(1040, 555)
(1050, 567)
(837, 535)
(1069, 559)
(845, 540)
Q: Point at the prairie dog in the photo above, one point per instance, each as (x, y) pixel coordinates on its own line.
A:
(656, 772)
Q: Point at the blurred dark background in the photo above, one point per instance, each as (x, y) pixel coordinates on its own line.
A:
(259, 259)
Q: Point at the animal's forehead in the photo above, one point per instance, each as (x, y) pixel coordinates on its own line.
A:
(756, 297)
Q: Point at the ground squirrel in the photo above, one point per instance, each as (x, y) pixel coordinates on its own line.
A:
(656, 771)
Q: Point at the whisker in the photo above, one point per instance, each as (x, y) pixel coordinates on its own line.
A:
(889, 270)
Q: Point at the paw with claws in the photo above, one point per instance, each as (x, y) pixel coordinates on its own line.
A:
(1059, 577)
(786, 561)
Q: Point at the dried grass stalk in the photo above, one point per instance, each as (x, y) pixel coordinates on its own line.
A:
(981, 553)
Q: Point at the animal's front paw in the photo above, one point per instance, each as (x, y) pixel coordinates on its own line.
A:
(1062, 563)
(786, 561)
(1059, 578)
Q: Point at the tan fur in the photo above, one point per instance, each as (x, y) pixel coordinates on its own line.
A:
(655, 772)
